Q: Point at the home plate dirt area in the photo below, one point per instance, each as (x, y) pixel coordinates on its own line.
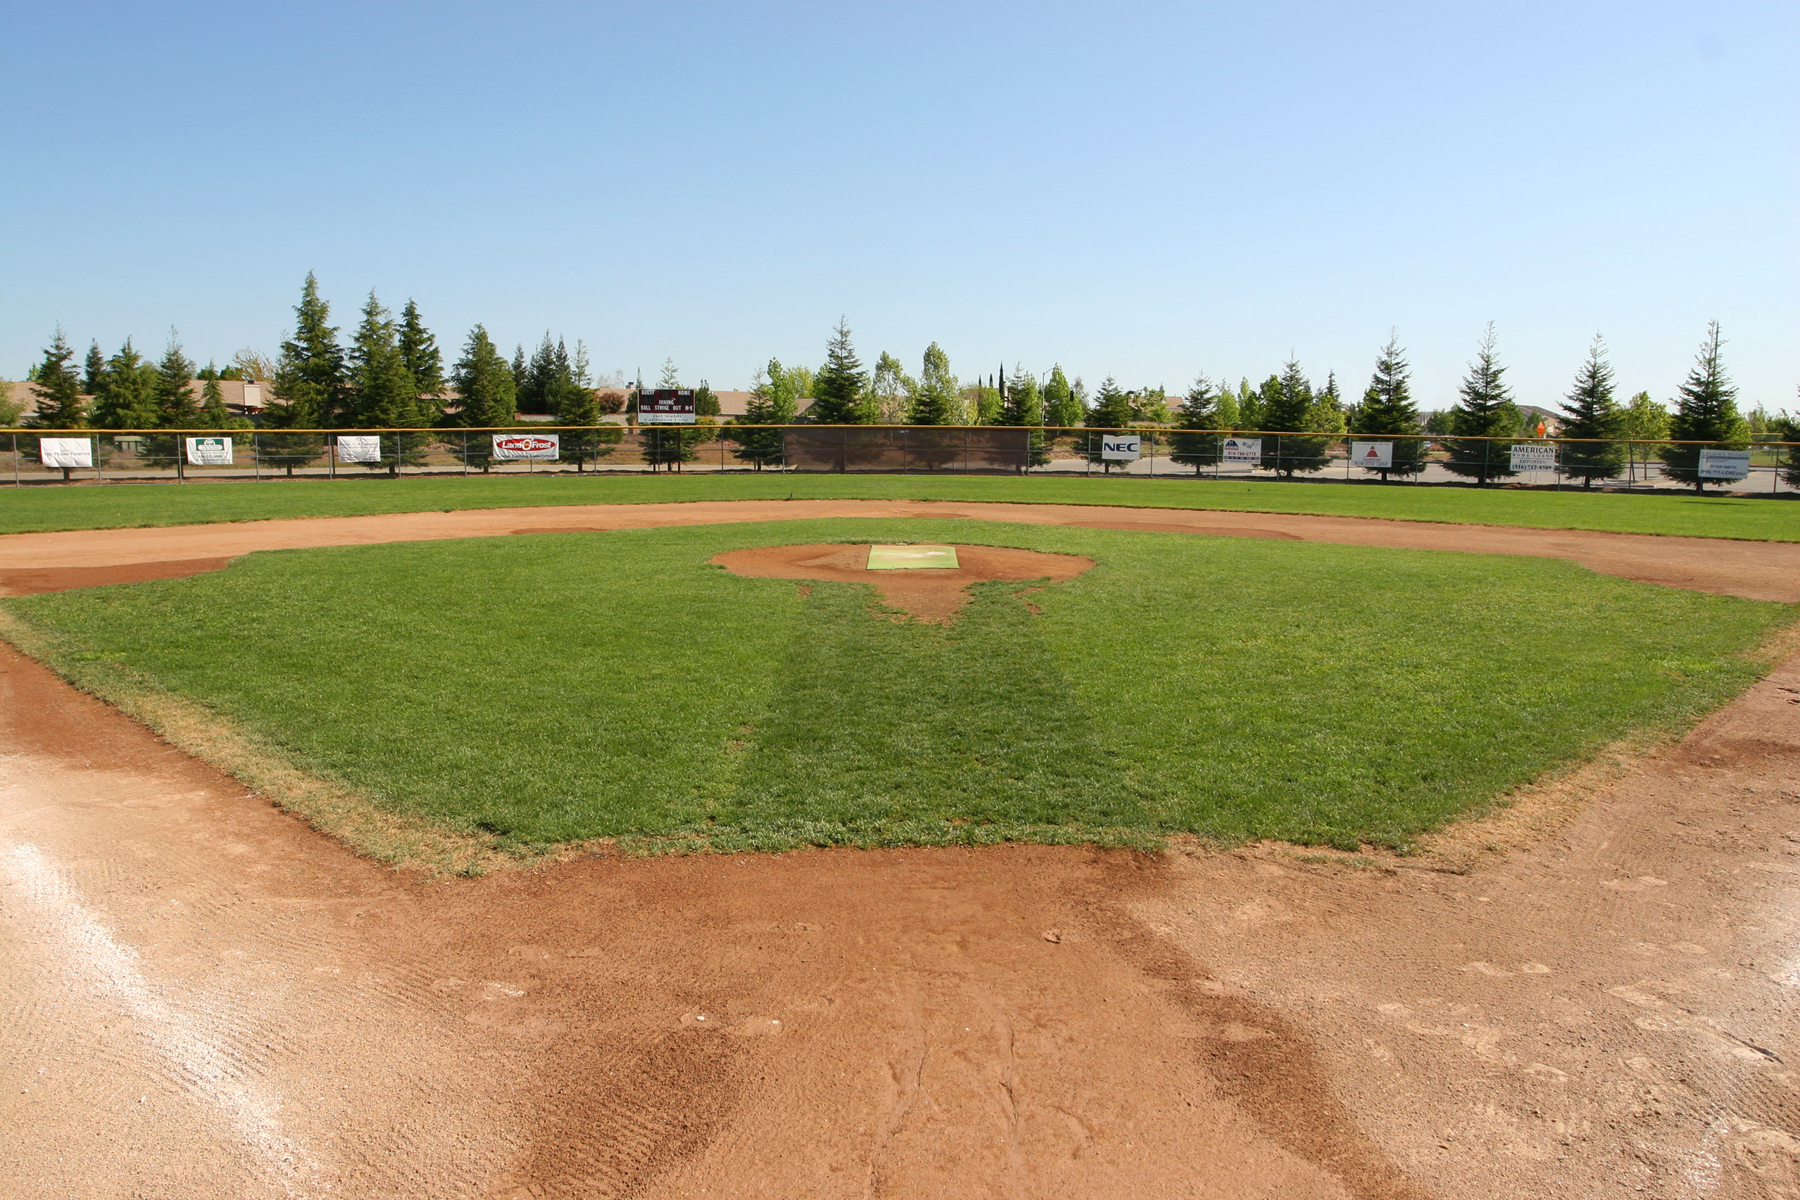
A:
(1589, 994)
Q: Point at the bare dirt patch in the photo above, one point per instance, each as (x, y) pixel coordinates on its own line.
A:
(32, 581)
(931, 594)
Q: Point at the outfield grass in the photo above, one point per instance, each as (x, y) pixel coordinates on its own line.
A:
(555, 687)
(128, 505)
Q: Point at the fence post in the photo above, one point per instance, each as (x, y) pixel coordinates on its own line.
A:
(15, 446)
(99, 469)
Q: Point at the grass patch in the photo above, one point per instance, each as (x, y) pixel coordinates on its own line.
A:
(552, 688)
(37, 509)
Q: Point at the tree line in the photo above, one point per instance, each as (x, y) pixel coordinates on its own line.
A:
(391, 375)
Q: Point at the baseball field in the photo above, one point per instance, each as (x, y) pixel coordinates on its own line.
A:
(1314, 809)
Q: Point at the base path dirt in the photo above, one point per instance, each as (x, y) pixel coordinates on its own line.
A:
(1757, 570)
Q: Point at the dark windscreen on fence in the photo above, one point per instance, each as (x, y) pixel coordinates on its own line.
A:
(925, 448)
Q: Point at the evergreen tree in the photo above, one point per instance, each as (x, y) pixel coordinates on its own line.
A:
(1387, 412)
(379, 392)
(489, 397)
(1593, 413)
(840, 389)
(772, 402)
(1024, 406)
(1062, 407)
(1705, 411)
(58, 388)
(1787, 458)
(213, 413)
(127, 395)
(177, 407)
(1290, 408)
(424, 362)
(309, 379)
(94, 377)
(578, 406)
(1485, 411)
(1196, 440)
(1111, 410)
(936, 400)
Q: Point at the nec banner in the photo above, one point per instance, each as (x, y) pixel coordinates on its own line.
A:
(510, 446)
(1120, 447)
(666, 406)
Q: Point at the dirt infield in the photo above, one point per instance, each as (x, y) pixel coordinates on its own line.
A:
(199, 997)
(1757, 570)
(932, 594)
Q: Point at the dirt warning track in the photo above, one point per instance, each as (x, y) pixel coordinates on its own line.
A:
(200, 997)
(35, 561)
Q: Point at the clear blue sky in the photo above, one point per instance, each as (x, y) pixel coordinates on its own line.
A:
(1142, 190)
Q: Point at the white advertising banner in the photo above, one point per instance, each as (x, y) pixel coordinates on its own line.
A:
(1242, 452)
(1377, 456)
(359, 448)
(543, 446)
(1534, 456)
(1120, 447)
(66, 452)
(1724, 464)
(209, 451)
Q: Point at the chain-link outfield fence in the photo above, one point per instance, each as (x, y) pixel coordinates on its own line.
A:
(29, 456)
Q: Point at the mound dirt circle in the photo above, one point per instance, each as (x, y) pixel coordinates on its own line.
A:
(931, 594)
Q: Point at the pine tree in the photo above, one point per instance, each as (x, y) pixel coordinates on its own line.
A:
(1062, 408)
(94, 377)
(424, 362)
(1705, 411)
(1593, 413)
(1111, 410)
(1387, 412)
(1485, 411)
(1787, 459)
(840, 388)
(1199, 412)
(380, 392)
(1289, 409)
(127, 395)
(176, 405)
(772, 402)
(309, 380)
(489, 397)
(937, 399)
(1023, 405)
(578, 406)
(58, 388)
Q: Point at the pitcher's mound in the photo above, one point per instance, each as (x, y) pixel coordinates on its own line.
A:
(933, 594)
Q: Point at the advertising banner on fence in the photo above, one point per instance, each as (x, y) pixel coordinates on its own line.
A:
(543, 446)
(1377, 456)
(666, 406)
(1120, 447)
(65, 452)
(1242, 452)
(359, 448)
(1534, 456)
(1724, 464)
(209, 451)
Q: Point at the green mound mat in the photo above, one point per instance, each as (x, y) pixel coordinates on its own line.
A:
(906, 558)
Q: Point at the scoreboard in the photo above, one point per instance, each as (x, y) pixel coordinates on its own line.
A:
(666, 406)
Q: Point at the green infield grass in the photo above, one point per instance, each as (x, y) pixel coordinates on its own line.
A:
(127, 505)
(546, 688)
